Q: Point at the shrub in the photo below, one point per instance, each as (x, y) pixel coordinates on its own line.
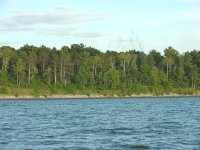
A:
(4, 90)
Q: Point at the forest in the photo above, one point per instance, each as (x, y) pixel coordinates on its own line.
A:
(78, 69)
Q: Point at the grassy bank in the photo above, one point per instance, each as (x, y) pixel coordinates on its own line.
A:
(72, 92)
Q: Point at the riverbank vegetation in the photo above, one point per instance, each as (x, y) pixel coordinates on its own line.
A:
(78, 69)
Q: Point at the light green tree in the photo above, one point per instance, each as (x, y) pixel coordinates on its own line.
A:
(112, 79)
(19, 70)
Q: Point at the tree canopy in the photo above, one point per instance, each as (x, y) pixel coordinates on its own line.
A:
(82, 69)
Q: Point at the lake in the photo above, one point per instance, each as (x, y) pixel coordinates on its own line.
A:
(132, 123)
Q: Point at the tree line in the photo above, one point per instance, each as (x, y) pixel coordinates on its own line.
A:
(82, 69)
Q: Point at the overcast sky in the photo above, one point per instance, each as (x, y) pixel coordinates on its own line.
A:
(104, 24)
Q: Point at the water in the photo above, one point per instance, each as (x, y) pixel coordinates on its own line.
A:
(148, 123)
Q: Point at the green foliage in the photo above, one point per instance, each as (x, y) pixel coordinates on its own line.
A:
(85, 70)
(111, 79)
(36, 92)
(70, 89)
(4, 78)
(158, 90)
(53, 90)
(82, 78)
(48, 75)
(4, 90)
(38, 87)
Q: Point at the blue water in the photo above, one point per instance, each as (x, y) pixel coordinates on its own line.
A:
(146, 123)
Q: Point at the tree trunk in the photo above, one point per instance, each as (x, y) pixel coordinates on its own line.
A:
(17, 80)
(55, 74)
(43, 67)
(29, 75)
(61, 72)
(167, 71)
(65, 82)
(64, 75)
(124, 69)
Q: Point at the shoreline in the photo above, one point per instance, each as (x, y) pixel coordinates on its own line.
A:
(26, 97)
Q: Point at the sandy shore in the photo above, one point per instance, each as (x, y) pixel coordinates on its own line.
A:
(12, 97)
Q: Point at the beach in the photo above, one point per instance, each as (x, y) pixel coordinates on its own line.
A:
(28, 97)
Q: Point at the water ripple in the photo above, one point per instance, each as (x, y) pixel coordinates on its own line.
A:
(102, 124)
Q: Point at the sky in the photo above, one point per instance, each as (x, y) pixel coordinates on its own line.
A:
(118, 25)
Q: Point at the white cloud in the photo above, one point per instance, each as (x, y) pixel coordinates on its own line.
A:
(69, 32)
(8, 43)
(62, 22)
(51, 18)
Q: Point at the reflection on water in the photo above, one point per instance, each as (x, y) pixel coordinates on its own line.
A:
(148, 123)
